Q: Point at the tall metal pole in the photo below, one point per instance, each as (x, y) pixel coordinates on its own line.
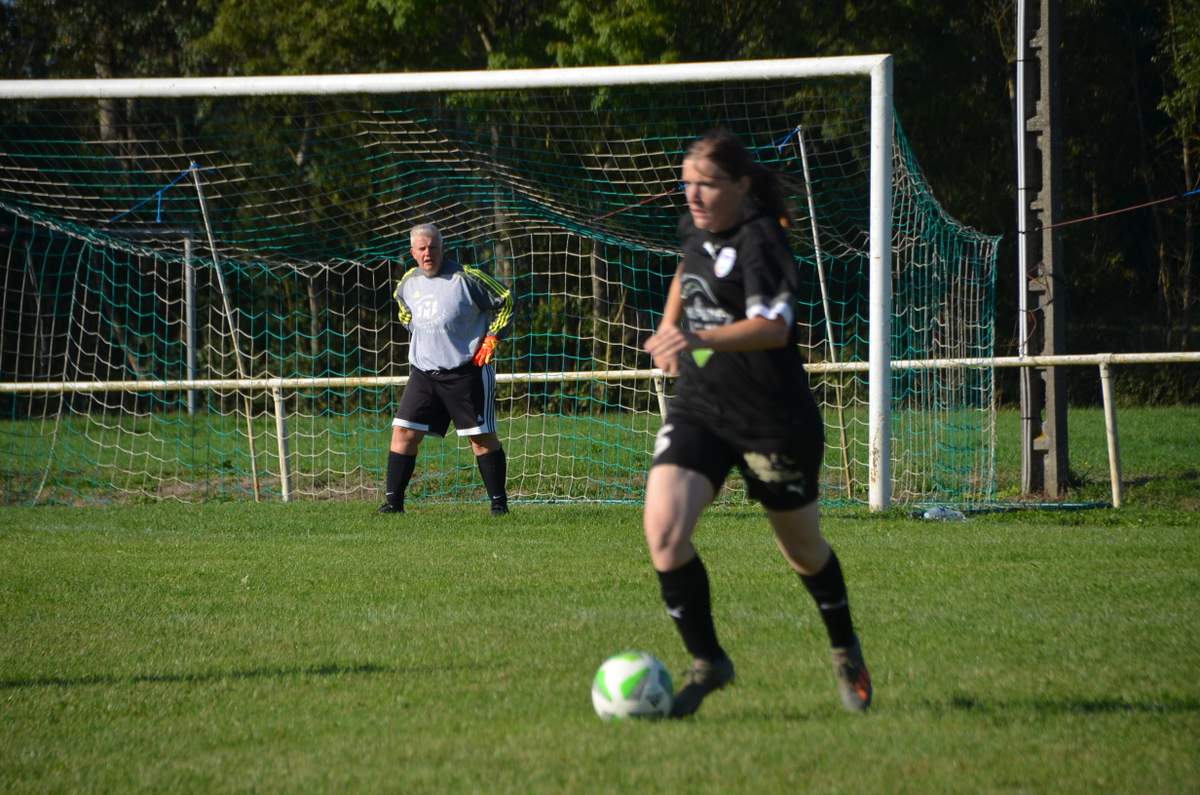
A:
(879, 387)
(243, 371)
(1022, 196)
(189, 331)
(831, 343)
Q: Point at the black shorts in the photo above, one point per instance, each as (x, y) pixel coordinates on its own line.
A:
(783, 474)
(466, 395)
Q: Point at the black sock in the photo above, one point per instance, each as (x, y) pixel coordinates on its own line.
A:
(494, 468)
(689, 603)
(828, 589)
(399, 471)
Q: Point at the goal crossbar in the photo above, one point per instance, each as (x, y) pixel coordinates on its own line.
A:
(468, 80)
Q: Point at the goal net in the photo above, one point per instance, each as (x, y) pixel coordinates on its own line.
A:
(196, 290)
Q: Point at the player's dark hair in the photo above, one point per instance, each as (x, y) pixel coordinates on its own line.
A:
(725, 150)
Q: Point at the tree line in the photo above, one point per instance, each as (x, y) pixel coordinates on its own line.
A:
(1129, 72)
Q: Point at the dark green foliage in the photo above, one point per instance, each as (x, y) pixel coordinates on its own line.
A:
(1128, 71)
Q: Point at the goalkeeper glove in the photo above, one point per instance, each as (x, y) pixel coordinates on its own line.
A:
(487, 349)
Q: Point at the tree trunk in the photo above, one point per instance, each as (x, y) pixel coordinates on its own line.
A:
(1188, 264)
(106, 106)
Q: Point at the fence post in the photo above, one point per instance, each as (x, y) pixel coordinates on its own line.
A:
(660, 389)
(285, 470)
(1110, 428)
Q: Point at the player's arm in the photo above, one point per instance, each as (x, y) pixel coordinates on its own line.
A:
(748, 334)
(403, 312)
(673, 307)
(769, 312)
(751, 334)
(662, 345)
(767, 324)
(490, 296)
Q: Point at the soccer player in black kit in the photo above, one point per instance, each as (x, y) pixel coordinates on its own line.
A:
(742, 399)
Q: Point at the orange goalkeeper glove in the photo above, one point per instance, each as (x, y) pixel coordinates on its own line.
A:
(487, 349)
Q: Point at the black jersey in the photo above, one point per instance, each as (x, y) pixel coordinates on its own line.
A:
(744, 272)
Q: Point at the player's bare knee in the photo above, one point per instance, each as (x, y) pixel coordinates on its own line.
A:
(406, 441)
(667, 537)
(484, 443)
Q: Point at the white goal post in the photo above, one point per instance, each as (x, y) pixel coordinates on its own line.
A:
(875, 68)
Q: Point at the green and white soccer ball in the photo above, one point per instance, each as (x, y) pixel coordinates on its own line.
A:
(633, 684)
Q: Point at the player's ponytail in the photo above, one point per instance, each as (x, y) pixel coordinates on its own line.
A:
(768, 193)
(729, 154)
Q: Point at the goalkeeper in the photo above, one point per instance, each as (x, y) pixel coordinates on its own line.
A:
(455, 315)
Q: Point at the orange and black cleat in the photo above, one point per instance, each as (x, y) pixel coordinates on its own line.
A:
(854, 681)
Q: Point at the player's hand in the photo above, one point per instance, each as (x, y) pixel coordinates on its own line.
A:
(665, 345)
(487, 349)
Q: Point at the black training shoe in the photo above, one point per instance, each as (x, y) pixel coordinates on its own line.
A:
(853, 679)
(702, 678)
(388, 507)
(499, 507)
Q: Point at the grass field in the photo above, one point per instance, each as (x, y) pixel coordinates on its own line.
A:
(317, 647)
(100, 459)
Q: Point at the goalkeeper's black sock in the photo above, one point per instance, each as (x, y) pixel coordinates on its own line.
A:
(494, 468)
(689, 604)
(399, 471)
(828, 589)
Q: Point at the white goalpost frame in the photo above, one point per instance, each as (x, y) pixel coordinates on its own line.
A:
(878, 68)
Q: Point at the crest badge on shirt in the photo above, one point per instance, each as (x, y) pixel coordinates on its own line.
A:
(725, 261)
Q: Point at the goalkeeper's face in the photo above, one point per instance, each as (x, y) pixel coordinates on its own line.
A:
(428, 254)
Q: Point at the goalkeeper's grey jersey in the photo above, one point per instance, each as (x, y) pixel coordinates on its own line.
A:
(448, 315)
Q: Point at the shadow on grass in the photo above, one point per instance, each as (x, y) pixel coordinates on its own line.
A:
(279, 672)
(1068, 706)
(971, 706)
(1187, 475)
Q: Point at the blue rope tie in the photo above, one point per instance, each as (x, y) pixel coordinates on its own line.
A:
(157, 196)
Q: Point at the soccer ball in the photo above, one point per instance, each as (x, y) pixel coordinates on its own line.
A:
(633, 684)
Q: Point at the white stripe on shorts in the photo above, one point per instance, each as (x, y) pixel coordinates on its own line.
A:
(488, 372)
(416, 426)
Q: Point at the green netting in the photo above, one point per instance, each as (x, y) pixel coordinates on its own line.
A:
(570, 197)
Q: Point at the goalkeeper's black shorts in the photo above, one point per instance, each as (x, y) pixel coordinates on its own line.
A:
(465, 395)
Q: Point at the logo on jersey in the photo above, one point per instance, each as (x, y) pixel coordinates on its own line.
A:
(700, 305)
(426, 312)
(725, 262)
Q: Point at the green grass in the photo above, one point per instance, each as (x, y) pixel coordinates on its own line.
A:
(99, 460)
(316, 647)
(1159, 455)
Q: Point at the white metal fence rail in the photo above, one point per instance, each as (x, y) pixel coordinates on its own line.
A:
(275, 386)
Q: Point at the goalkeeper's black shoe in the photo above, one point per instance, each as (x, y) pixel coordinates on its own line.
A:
(500, 506)
(704, 677)
(388, 507)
